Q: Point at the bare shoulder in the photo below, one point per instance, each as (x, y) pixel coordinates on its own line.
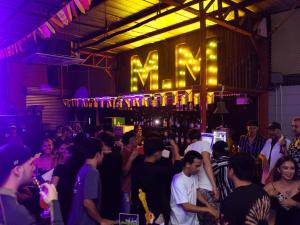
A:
(268, 187)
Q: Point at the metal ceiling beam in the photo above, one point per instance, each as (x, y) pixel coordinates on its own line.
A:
(126, 21)
(210, 15)
(151, 34)
(97, 61)
(165, 13)
(239, 7)
(216, 16)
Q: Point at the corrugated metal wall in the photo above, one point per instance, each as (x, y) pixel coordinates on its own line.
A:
(53, 113)
(283, 106)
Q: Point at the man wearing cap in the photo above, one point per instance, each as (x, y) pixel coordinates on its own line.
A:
(273, 149)
(16, 170)
(252, 142)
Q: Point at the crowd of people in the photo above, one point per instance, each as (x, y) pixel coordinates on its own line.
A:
(90, 179)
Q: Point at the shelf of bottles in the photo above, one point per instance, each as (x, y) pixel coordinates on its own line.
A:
(170, 122)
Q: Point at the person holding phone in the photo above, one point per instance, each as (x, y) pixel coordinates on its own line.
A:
(16, 170)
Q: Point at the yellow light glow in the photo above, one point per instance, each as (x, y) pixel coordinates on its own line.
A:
(208, 51)
(181, 83)
(212, 69)
(212, 57)
(212, 44)
(155, 56)
(149, 68)
(167, 84)
(212, 81)
(190, 61)
(180, 50)
(196, 68)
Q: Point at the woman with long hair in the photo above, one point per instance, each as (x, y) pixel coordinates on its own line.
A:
(284, 191)
(48, 160)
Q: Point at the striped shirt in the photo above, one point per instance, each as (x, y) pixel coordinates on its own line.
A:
(253, 148)
(220, 170)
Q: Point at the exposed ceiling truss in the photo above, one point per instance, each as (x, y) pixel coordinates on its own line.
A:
(243, 24)
(97, 61)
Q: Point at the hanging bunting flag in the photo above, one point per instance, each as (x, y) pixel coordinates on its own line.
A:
(34, 36)
(73, 9)
(61, 19)
(80, 6)
(44, 31)
(68, 13)
(50, 27)
(56, 21)
(62, 16)
(86, 4)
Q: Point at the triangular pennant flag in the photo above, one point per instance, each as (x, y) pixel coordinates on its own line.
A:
(73, 9)
(34, 36)
(62, 16)
(86, 4)
(56, 21)
(50, 27)
(68, 12)
(80, 6)
(41, 33)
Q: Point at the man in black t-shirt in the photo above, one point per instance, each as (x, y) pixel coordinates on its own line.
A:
(153, 175)
(248, 203)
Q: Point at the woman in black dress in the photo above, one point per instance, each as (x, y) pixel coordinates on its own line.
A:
(285, 192)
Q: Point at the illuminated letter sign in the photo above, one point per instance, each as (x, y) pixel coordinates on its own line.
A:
(185, 59)
(142, 72)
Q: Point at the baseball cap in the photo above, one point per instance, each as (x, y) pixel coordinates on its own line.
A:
(274, 125)
(12, 155)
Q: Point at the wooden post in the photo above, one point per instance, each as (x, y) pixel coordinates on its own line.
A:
(264, 61)
(203, 92)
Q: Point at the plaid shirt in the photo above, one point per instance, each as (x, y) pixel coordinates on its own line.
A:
(253, 148)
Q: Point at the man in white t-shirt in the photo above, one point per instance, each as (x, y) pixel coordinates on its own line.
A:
(207, 184)
(271, 151)
(184, 194)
